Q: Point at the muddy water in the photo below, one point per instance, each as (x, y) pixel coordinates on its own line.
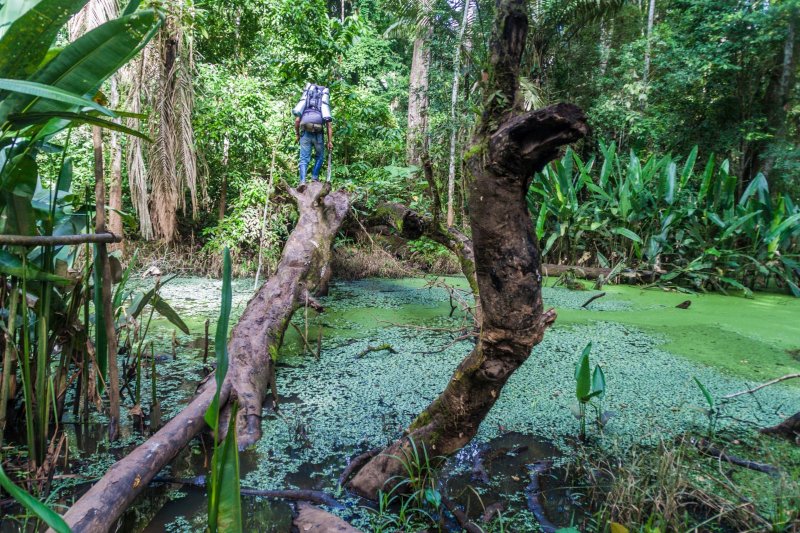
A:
(352, 399)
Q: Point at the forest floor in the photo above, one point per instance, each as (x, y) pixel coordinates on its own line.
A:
(349, 401)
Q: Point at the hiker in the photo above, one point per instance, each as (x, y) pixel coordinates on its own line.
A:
(313, 115)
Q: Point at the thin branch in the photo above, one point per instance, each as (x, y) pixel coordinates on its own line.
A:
(767, 384)
(55, 240)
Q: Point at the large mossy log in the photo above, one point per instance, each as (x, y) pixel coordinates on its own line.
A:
(303, 271)
(507, 148)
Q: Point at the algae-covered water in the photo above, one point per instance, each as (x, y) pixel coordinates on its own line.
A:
(343, 403)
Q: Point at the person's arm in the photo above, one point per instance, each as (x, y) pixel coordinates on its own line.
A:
(297, 128)
(330, 136)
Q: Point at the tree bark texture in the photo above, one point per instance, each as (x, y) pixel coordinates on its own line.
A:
(788, 429)
(507, 149)
(303, 271)
(108, 314)
(418, 87)
(451, 172)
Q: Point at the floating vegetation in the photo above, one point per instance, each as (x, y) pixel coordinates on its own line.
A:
(343, 404)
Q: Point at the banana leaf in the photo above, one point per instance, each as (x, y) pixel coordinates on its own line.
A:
(28, 39)
(84, 64)
(11, 265)
(28, 119)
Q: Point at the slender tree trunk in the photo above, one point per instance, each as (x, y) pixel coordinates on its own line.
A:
(451, 175)
(223, 193)
(651, 17)
(107, 312)
(115, 190)
(781, 91)
(418, 88)
(507, 148)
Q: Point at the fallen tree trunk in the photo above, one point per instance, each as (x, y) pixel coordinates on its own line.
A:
(507, 148)
(302, 272)
(626, 275)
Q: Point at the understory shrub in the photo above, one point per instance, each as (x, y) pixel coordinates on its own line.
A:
(700, 228)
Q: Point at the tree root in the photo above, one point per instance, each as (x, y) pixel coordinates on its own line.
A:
(593, 298)
(534, 492)
(461, 516)
(356, 463)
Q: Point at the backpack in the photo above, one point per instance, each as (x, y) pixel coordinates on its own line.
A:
(314, 105)
(314, 98)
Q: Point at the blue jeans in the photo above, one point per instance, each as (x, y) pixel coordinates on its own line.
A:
(307, 140)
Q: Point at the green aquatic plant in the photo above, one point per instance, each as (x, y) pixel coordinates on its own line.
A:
(691, 224)
(589, 385)
(224, 497)
(712, 412)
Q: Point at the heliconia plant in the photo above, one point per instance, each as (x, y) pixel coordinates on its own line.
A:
(662, 214)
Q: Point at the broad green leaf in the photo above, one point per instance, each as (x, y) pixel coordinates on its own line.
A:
(84, 64)
(33, 90)
(540, 220)
(28, 119)
(776, 233)
(43, 512)
(225, 507)
(625, 232)
(139, 302)
(27, 40)
(11, 265)
(599, 382)
(165, 310)
(670, 183)
(221, 338)
(583, 376)
(706, 394)
(688, 167)
(12, 10)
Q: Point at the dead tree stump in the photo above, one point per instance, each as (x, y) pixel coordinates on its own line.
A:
(508, 147)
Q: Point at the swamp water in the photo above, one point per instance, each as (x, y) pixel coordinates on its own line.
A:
(345, 403)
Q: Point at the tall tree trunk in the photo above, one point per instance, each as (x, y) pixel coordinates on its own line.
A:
(507, 148)
(651, 17)
(780, 91)
(451, 175)
(418, 87)
(105, 277)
